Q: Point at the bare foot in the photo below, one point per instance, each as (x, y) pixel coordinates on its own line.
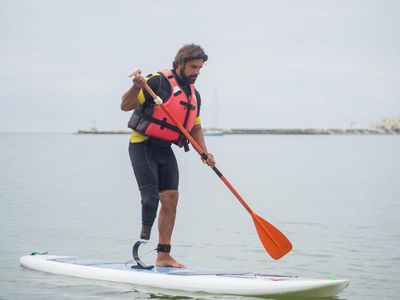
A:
(166, 260)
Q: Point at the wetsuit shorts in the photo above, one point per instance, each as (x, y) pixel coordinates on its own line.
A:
(156, 170)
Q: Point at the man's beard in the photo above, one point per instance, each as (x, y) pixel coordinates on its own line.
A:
(188, 79)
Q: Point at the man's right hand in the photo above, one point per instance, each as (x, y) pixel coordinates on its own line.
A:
(129, 99)
(139, 81)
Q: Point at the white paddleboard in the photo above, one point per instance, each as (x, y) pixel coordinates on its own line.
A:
(246, 284)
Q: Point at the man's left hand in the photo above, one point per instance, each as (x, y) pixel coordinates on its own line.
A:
(210, 160)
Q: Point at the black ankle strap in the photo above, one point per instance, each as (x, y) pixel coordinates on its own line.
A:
(163, 248)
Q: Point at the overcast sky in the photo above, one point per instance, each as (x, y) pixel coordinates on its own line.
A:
(272, 64)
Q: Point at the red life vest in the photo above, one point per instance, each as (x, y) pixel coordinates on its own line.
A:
(154, 122)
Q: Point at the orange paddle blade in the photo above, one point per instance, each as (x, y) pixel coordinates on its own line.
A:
(274, 241)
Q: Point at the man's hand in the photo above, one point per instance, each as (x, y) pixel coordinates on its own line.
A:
(210, 160)
(139, 81)
(129, 98)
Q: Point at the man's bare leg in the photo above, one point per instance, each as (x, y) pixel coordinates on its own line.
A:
(166, 222)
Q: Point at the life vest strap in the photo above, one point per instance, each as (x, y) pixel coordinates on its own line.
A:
(185, 145)
(178, 93)
(163, 123)
(187, 105)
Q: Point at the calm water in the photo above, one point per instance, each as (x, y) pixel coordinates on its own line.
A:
(337, 198)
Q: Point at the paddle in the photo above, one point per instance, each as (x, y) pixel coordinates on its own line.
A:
(274, 241)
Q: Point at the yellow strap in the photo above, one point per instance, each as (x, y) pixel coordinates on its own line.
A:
(140, 97)
(137, 137)
(197, 121)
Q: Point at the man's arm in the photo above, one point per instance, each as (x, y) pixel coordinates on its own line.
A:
(198, 135)
(130, 97)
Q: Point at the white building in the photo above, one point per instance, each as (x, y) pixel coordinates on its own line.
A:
(391, 123)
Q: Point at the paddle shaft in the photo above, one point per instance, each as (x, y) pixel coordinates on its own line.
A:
(199, 150)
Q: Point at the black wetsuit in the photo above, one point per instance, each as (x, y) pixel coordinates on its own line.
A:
(153, 161)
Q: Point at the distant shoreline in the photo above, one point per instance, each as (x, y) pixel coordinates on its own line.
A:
(294, 131)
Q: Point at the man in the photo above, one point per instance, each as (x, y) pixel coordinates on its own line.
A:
(152, 158)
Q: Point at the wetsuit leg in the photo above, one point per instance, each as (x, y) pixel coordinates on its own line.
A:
(168, 173)
(146, 172)
(156, 170)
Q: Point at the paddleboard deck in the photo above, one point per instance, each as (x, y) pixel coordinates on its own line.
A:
(245, 284)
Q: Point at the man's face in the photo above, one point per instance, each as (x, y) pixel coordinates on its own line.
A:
(190, 70)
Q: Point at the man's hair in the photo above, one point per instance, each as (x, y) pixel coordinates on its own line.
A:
(189, 52)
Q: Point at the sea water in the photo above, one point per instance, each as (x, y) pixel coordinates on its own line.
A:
(336, 197)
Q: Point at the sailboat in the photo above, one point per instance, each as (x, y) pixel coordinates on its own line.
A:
(214, 131)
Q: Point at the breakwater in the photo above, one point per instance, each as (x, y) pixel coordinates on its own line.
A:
(289, 131)
(310, 131)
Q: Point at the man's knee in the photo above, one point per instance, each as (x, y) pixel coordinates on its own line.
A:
(169, 200)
